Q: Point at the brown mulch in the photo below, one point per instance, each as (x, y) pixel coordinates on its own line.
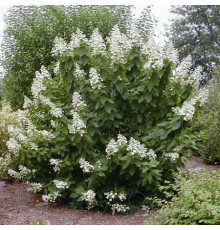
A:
(17, 206)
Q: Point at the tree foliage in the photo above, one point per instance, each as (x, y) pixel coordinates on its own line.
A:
(196, 31)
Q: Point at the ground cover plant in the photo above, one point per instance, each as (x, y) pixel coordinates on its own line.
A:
(109, 125)
(194, 199)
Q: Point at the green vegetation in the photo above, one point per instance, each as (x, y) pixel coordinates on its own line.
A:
(194, 200)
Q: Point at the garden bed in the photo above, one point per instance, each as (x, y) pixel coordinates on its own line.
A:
(17, 206)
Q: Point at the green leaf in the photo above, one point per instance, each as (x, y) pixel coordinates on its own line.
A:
(141, 98)
(124, 158)
(126, 164)
(176, 125)
(140, 118)
(119, 88)
(103, 99)
(79, 190)
(132, 170)
(101, 174)
(148, 97)
(108, 108)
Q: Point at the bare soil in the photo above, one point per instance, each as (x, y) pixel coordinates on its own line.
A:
(17, 206)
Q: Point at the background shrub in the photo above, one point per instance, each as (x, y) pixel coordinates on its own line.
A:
(109, 125)
(206, 126)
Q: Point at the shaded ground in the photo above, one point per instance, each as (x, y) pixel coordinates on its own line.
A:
(17, 206)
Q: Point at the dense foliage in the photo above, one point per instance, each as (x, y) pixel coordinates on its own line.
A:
(109, 125)
(196, 31)
(31, 30)
(7, 117)
(206, 126)
(196, 200)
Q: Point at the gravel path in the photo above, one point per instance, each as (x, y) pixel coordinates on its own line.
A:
(17, 206)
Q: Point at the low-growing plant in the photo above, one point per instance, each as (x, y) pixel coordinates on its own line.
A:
(193, 199)
(40, 222)
(109, 125)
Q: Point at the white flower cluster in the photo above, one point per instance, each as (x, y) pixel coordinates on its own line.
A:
(47, 135)
(35, 187)
(60, 47)
(172, 156)
(56, 112)
(22, 174)
(53, 124)
(78, 72)
(182, 75)
(112, 148)
(188, 108)
(77, 102)
(195, 77)
(99, 164)
(20, 136)
(170, 53)
(77, 126)
(5, 162)
(27, 102)
(135, 37)
(119, 46)
(95, 79)
(77, 39)
(37, 87)
(61, 184)
(178, 149)
(135, 147)
(145, 208)
(97, 44)
(38, 82)
(154, 54)
(51, 197)
(56, 67)
(110, 196)
(13, 145)
(89, 198)
(21, 116)
(86, 166)
(121, 140)
(56, 163)
(120, 208)
(183, 68)
(25, 134)
(201, 96)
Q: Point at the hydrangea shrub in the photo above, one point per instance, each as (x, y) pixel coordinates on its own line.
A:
(7, 117)
(109, 124)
